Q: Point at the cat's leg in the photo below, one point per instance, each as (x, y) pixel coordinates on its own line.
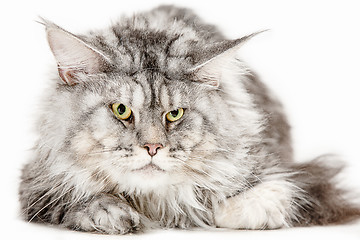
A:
(268, 205)
(105, 214)
(49, 200)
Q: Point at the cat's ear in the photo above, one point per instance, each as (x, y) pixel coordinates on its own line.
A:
(73, 55)
(210, 71)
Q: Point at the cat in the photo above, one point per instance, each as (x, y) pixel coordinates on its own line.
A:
(154, 122)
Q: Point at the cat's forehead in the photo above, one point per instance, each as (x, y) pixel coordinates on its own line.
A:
(132, 49)
(150, 89)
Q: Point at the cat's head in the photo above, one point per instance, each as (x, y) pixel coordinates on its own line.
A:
(138, 117)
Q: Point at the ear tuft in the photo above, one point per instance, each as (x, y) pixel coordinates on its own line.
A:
(210, 72)
(73, 55)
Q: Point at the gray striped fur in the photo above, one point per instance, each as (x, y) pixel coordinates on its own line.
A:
(232, 143)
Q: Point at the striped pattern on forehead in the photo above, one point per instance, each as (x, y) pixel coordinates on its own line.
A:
(174, 94)
(142, 90)
(138, 96)
(158, 92)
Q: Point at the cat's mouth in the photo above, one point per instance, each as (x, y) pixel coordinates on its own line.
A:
(150, 167)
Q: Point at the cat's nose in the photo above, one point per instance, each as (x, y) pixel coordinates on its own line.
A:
(152, 148)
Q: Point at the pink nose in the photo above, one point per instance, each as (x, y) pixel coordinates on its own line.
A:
(152, 148)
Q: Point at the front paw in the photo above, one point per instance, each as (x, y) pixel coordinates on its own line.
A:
(107, 214)
(265, 206)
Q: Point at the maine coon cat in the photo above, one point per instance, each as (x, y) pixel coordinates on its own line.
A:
(155, 122)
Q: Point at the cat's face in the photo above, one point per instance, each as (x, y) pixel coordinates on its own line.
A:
(149, 129)
(143, 131)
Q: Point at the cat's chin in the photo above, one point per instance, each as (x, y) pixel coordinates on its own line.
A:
(150, 169)
(147, 179)
(149, 174)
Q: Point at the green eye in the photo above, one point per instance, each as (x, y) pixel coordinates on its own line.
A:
(175, 115)
(121, 111)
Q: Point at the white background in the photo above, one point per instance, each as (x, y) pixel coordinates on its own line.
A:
(310, 58)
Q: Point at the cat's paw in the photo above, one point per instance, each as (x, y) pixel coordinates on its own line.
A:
(108, 214)
(265, 206)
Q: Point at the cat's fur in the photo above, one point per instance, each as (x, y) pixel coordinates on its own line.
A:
(226, 163)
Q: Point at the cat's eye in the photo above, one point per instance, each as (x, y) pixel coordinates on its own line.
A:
(121, 111)
(175, 115)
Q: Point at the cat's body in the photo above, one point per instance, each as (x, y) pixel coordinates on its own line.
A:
(224, 160)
